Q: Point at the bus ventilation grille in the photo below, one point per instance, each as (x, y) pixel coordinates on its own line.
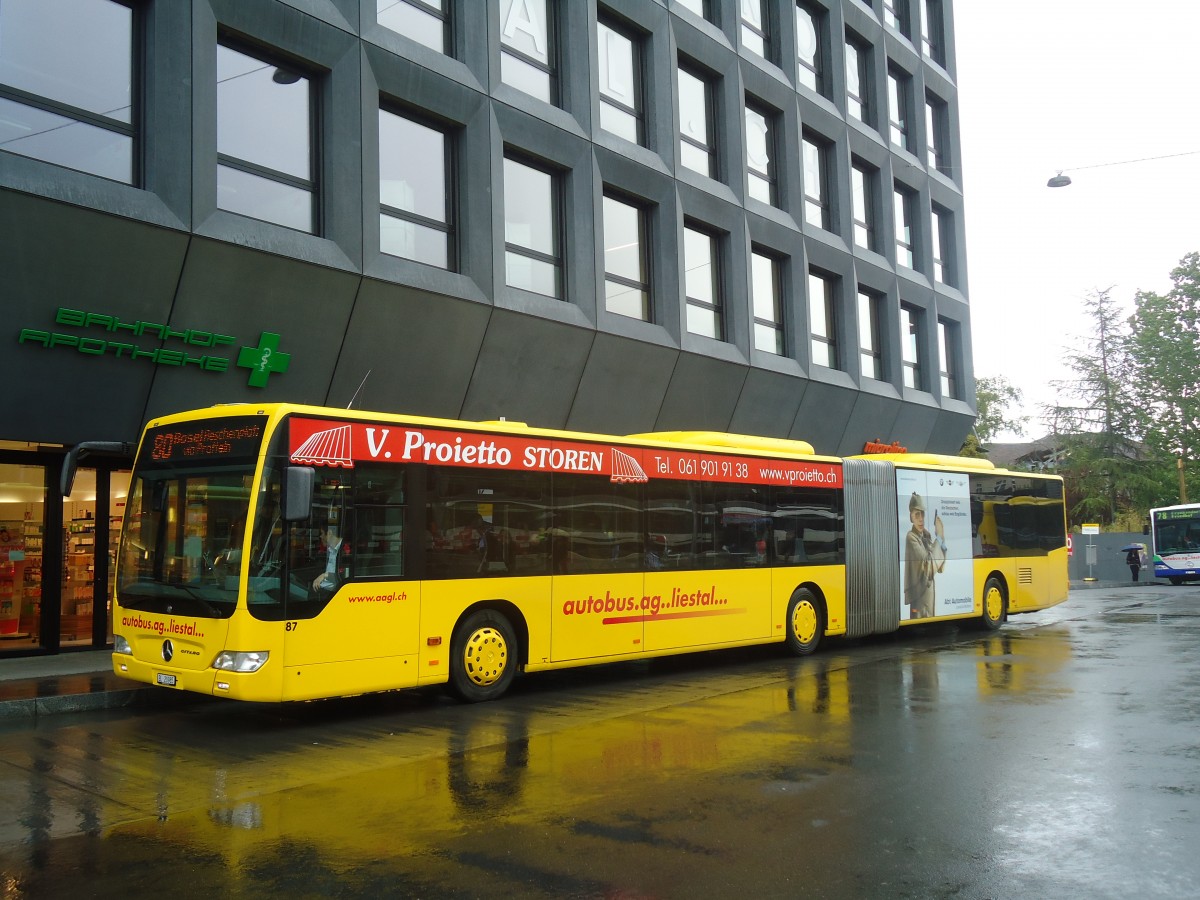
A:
(1024, 576)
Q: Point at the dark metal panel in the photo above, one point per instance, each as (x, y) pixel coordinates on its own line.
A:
(768, 404)
(949, 433)
(622, 386)
(872, 418)
(702, 395)
(528, 370)
(915, 422)
(419, 348)
(824, 411)
(245, 294)
(57, 256)
(872, 548)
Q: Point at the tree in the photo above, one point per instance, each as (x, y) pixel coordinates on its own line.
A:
(994, 397)
(1099, 425)
(1165, 357)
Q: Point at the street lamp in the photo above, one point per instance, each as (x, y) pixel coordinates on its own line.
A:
(1061, 180)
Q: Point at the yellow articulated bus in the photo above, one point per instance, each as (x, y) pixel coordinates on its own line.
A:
(284, 552)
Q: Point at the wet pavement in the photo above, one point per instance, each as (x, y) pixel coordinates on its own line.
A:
(1059, 757)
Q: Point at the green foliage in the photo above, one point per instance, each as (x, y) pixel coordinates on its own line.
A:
(972, 448)
(1165, 347)
(993, 398)
(1134, 404)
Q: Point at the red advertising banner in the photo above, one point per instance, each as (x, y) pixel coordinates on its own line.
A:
(318, 442)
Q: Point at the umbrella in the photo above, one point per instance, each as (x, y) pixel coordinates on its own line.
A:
(1129, 547)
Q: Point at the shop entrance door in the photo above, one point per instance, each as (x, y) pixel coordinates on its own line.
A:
(22, 521)
(91, 530)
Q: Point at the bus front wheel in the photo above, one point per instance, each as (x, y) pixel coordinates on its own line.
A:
(483, 656)
(805, 623)
(994, 604)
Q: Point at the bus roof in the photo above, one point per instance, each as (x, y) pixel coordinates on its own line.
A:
(728, 440)
(937, 460)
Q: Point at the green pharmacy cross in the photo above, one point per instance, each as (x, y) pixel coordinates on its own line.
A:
(264, 360)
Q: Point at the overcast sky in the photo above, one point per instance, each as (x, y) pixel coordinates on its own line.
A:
(1049, 85)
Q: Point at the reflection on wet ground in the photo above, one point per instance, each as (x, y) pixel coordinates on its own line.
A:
(1057, 757)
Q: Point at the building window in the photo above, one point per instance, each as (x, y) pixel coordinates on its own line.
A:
(66, 85)
(822, 316)
(626, 267)
(697, 146)
(933, 31)
(810, 63)
(532, 234)
(264, 141)
(527, 47)
(895, 15)
(910, 346)
(425, 21)
(760, 154)
(900, 108)
(618, 56)
(698, 7)
(937, 133)
(815, 157)
(765, 289)
(948, 352)
(870, 352)
(702, 283)
(862, 183)
(414, 191)
(858, 81)
(756, 28)
(904, 203)
(942, 224)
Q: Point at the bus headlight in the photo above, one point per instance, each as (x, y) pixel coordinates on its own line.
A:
(120, 645)
(235, 661)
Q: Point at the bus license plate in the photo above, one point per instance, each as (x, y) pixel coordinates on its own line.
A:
(166, 680)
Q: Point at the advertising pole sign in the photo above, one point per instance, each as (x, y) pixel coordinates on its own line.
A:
(1090, 528)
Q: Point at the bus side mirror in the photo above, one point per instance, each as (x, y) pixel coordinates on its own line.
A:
(1146, 528)
(297, 500)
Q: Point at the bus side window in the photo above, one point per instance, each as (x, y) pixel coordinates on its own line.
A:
(379, 511)
(593, 526)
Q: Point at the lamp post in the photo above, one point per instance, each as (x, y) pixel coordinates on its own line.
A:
(1182, 484)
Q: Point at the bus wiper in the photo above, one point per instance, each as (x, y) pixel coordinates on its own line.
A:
(194, 594)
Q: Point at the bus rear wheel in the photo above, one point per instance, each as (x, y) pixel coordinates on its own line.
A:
(994, 604)
(483, 656)
(805, 623)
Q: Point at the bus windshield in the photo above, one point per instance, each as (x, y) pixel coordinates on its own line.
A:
(185, 522)
(1176, 530)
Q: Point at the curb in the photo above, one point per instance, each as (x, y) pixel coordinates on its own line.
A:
(145, 697)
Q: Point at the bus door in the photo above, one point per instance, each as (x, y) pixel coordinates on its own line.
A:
(350, 594)
(596, 551)
(711, 584)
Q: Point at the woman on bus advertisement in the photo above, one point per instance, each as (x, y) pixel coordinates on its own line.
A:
(935, 544)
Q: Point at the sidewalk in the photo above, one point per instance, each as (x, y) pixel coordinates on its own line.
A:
(32, 687)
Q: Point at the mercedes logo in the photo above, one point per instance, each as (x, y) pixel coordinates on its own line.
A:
(168, 650)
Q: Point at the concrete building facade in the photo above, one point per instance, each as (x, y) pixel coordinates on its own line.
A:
(605, 215)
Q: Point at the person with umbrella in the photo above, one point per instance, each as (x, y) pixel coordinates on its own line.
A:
(1133, 558)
